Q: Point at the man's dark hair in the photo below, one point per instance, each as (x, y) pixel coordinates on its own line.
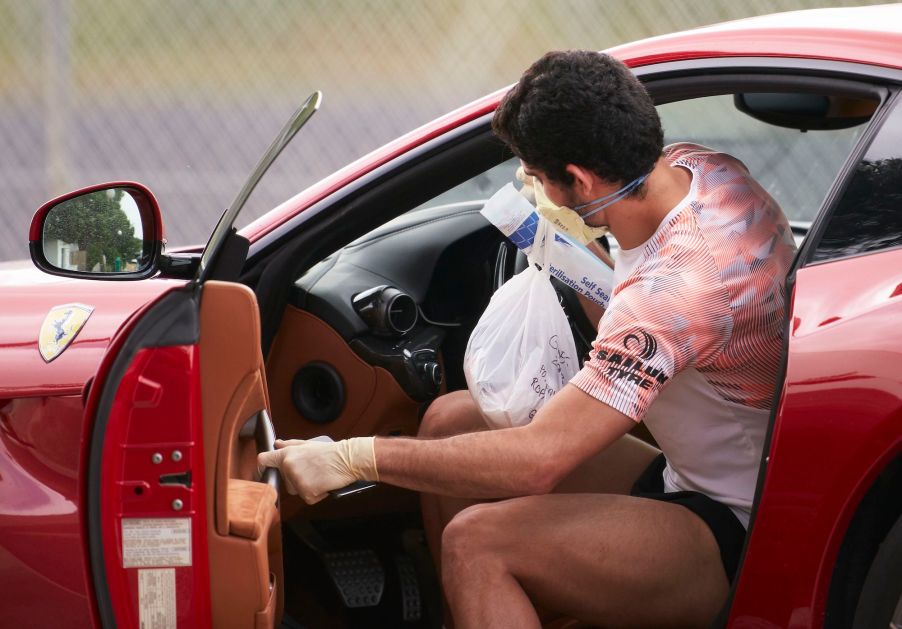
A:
(585, 108)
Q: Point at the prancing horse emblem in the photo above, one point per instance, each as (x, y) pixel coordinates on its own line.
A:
(60, 327)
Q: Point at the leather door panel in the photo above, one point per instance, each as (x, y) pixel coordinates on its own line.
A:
(244, 534)
(376, 404)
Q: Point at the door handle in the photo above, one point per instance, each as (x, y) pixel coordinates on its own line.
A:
(265, 439)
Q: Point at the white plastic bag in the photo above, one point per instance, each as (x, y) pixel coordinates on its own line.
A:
(567, 260)
(521, 351)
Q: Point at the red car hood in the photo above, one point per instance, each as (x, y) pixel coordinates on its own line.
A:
(28, 295)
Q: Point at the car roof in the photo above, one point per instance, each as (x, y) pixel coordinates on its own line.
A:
(870, 35)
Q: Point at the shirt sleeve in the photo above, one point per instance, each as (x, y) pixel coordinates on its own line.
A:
(679, 150)
(671, 313)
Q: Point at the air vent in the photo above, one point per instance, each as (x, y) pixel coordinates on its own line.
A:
(402, 313)
(387, 310)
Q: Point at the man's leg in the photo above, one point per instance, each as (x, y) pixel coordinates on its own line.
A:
(605, 559)
(612, 471)
(451, 414)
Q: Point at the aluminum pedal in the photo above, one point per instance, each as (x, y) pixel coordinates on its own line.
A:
(411, 609)
(358, 576)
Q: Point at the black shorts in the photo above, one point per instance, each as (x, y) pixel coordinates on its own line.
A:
(727, 529)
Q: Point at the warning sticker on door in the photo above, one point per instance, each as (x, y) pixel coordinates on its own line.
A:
(156, 598)
(154, 542)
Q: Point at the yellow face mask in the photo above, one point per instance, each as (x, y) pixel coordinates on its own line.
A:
(565, 219)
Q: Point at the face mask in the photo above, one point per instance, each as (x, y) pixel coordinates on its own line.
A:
(570, 221)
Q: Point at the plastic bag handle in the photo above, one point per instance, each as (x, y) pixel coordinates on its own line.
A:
(544, 239)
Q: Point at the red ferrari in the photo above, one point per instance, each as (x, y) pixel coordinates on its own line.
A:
(131, 412)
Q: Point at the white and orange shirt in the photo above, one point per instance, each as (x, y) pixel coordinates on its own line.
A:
(691, 341)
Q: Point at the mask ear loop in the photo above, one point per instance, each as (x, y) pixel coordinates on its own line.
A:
(614, 197)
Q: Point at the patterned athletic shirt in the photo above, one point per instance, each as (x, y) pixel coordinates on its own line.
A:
(691, 341)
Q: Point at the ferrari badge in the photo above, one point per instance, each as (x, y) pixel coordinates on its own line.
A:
(60, 327)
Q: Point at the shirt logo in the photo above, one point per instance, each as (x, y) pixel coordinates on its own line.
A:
(642, 340)
(643, 346)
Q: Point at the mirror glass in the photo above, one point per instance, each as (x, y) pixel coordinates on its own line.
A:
(99, 232)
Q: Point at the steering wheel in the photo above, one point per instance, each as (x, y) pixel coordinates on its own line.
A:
(510, 260)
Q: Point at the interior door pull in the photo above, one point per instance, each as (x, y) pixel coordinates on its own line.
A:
(265, 438)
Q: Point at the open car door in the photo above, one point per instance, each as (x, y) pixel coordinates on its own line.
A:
(183, 532)
(182, 529)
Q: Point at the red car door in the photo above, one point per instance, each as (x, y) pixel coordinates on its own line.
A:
(180, 531)
(181, 528)
(838, 426)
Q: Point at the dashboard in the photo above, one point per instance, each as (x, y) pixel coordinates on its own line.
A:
(406, 296)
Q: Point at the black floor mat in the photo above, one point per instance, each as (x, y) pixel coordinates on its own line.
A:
(410, 598)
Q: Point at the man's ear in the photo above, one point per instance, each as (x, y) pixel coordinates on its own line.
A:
(584, 180)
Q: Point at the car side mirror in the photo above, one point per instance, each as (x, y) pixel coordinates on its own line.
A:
(110, 231)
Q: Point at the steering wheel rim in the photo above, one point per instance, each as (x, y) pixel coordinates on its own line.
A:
(508, 262)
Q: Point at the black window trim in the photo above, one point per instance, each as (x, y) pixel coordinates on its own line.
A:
(838, 189)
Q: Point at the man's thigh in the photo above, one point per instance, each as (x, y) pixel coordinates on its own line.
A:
(611, 560)
(612, 471)
(451, 414)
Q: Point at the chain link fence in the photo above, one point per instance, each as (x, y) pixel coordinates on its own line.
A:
(185, 96)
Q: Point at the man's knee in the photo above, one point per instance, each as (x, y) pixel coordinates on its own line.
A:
(451, 414)
(471, 536)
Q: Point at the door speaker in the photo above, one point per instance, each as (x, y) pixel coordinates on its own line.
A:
(318, 392)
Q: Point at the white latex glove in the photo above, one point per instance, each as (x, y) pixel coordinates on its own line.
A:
(311, 469)
(527, 189)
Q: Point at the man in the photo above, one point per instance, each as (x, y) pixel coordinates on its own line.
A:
(690, 345)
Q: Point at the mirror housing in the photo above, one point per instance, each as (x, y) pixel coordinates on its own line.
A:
(110, 231)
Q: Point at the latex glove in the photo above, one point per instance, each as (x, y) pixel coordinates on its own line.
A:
(311, 469)
(527, 189)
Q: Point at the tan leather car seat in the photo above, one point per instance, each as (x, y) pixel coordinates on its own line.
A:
(243, 526)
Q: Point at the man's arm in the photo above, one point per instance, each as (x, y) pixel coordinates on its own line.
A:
(568, 430)
(571, 428)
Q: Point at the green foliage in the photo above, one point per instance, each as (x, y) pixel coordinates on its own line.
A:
(97, 224)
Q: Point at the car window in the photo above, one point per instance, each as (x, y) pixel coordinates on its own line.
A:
(796, 167)
(868, 216)
(478, 188)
